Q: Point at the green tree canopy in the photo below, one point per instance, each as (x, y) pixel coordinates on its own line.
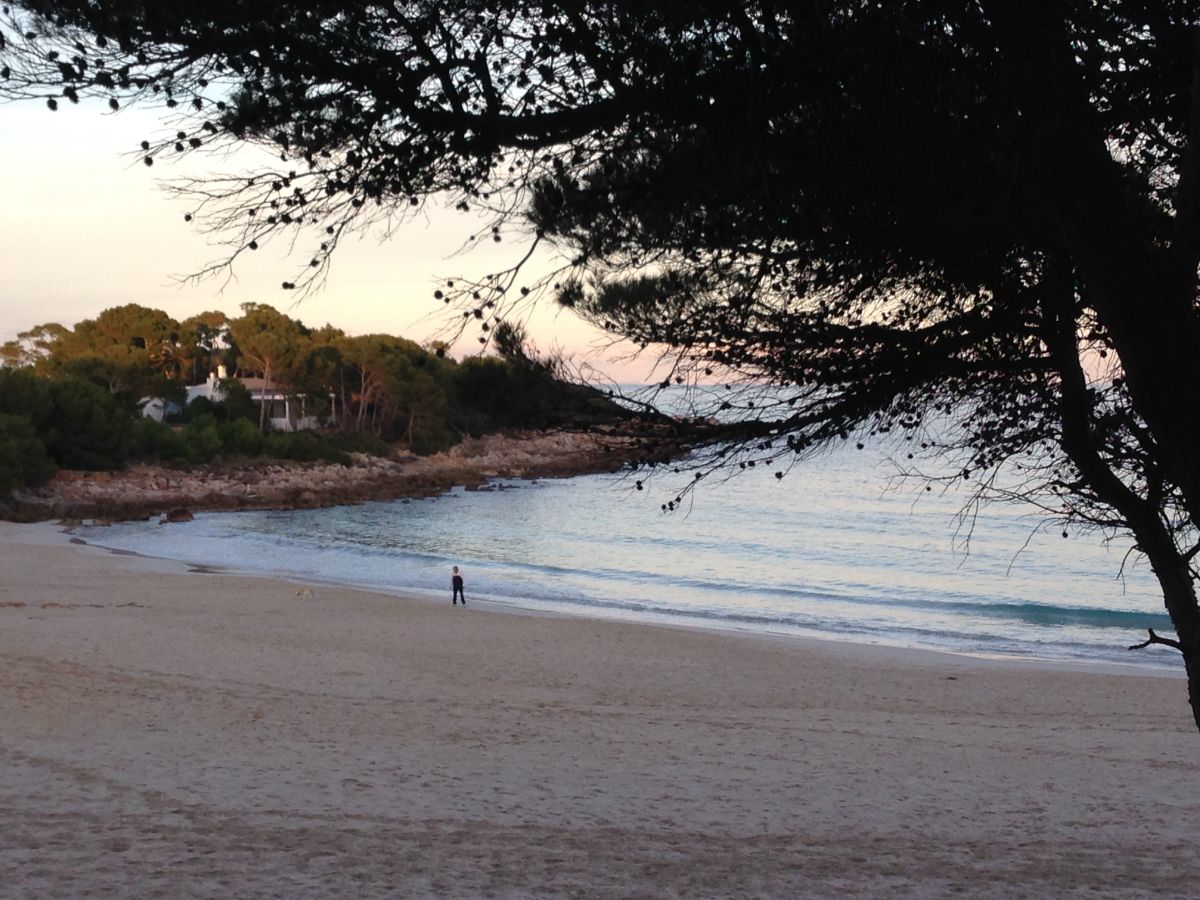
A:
(33, 348)
(202, 337)
(23, 458)
(270, 344)
(79, 424)
(129, 335)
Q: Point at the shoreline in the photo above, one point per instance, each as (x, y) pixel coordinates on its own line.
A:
(168, 734)
(893, 653)
(147, 490)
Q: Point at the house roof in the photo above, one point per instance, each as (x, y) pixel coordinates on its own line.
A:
(258, 387)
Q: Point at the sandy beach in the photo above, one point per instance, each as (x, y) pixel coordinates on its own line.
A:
(169, 733)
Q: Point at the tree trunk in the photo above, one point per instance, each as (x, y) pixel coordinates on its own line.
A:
(1142, 516)
(1191, 663)
(262, 400)
(1179, 592)
(1142, 292)
(342, 414)
(364, 398)
(1154, 329)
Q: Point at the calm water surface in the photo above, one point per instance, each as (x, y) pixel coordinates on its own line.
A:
(829, 551)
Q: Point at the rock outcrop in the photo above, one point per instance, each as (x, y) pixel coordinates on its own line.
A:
(142, 491)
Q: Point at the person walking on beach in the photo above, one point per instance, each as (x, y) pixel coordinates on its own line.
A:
(456, 585)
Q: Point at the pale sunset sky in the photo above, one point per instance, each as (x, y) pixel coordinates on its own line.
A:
(84, 226)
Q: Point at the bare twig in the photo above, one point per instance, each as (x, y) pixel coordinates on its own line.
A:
(1155, 639)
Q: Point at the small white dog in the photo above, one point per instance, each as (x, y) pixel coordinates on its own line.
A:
(305, 593)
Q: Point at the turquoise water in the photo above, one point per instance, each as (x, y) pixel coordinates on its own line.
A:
(828, 551)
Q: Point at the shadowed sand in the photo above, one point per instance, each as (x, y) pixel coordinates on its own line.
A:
(168, 734)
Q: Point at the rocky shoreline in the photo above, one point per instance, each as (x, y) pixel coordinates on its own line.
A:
(143, 491)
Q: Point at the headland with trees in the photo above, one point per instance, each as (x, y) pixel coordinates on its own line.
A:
(114, 391)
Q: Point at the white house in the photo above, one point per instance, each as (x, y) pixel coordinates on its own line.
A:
(284, 412)
(157, 408)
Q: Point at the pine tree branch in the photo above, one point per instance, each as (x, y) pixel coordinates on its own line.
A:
(1155, 639)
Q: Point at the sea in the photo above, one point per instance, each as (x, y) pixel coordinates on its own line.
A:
(839, 549)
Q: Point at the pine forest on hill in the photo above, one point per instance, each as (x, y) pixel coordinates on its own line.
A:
(74, 398)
